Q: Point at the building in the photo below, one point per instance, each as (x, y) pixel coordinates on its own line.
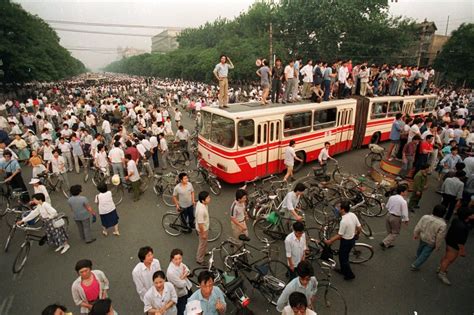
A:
(430, 44)
(165, 41)
(129, 52)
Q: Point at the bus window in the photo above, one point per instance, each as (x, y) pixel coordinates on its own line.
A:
(259, 134)
(277, 130)
(223, 131)
(430, 104)
(394, 108)
(379, 110)
(205, 131)
(324, 118)
(297, 123)
(246, 132)
(272, 130)
(419, 105)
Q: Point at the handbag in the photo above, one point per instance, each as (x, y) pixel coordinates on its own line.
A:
(58, 221)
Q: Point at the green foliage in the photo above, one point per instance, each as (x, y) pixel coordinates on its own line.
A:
(30, 50)
(324, 29)
(456, 60)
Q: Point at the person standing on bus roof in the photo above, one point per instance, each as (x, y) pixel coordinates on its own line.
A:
(221, 72)
(264, 73)
(324, 156)
(290, 157)
(291, 82)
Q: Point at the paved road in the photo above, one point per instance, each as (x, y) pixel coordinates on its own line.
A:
(385, 285)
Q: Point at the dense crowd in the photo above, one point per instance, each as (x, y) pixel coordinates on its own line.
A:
(126, 126)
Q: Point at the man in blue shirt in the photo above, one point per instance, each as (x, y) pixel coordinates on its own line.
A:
(212, 299)
(397, 126)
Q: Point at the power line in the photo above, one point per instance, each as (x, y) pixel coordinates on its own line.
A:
(115, 25)
(101, 33)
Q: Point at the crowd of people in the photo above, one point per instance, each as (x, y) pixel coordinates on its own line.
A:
(125, 126)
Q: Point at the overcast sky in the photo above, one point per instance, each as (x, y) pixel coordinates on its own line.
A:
(97, 50)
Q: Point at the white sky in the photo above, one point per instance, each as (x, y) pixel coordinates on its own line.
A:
(187, 13)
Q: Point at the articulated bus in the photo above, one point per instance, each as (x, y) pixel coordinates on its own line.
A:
(248, 140)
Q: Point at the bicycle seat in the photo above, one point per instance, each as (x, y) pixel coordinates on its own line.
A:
(244, 238)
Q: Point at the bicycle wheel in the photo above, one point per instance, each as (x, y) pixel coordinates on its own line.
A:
(53, 180)
(11, 233)
(169, 222)
(329, 300)
(117, 194)
(323, 212)
(215, 229)
(65, 189)
(86, 176)
(260, 227)
(21, 257)
(338, 176)
(366, 229)
(280, 271)
(173, 159)
(215, 186)
(97, 178)
(158, 186)
(197, 177)
(4, 205)
(373, 207)
(167, 196)
(361, 253)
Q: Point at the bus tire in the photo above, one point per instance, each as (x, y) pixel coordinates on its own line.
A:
(298, 165)
(375, 138)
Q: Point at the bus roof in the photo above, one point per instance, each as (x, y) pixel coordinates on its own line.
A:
(255, 109)
(400, 98)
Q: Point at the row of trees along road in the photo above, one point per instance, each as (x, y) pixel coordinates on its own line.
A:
(30, 49)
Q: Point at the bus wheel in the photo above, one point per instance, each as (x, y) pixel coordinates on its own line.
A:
(375, 138)
(298, 164)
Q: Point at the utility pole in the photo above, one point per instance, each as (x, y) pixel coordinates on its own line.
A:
(271, 45)
(447, 23)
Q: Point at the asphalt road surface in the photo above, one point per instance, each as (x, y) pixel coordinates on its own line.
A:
(384, 285)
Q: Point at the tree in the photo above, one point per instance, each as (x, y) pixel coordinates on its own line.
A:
(30, 49)
(456, 60)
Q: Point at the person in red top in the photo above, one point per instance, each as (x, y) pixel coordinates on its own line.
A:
(133, 151)
(424, 151)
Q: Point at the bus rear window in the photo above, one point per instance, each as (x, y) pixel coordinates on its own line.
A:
(379, 110)
(222, 131)
(246, 132)
(419, 105)
(394, 108)
(297, 123)
(324, 118)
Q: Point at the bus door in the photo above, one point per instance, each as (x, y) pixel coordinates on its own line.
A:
(344, 130)
(268, 147)
(408, 107)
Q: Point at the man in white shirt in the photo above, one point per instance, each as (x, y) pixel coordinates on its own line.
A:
(291, 82)
(342, 76)
(66, 148)
(163, 145)
(397, 213)
(182, 135)
(324, 156)
(117, 159)
(143, 272)
(295, 246)
(202, 224)
(133, 176)
(290, 157)
(349, 230)
(307, 72)
(107, 132)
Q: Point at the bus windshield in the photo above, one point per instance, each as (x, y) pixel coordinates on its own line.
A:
(218, 129)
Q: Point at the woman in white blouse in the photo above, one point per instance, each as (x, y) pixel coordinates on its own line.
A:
(161, 298)
(177, 273)
(107, 210)
(54, 236)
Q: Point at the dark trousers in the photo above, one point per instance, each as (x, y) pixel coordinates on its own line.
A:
(188, 215)
(403, 142)
(156, 162)
(182, 301)
(340, 91)
(327, 89)
(276, 90)
(136, 190)
(344, 250)
(449, 201)
(183, 145)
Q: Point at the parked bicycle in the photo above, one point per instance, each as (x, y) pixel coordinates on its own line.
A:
(54, 182)
(175, 224)
(375, 155)
(204, 175)
(163, 185)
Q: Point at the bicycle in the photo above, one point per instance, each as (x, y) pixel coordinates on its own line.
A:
(334, 301)
(54, 182)
(25, 247)
(267, 276)
(13, 215)
(175, 224)
(178, 158)
(163, 186)
(375, 155)
(205, 175)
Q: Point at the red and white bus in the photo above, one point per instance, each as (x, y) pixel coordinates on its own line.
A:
(247, 140)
